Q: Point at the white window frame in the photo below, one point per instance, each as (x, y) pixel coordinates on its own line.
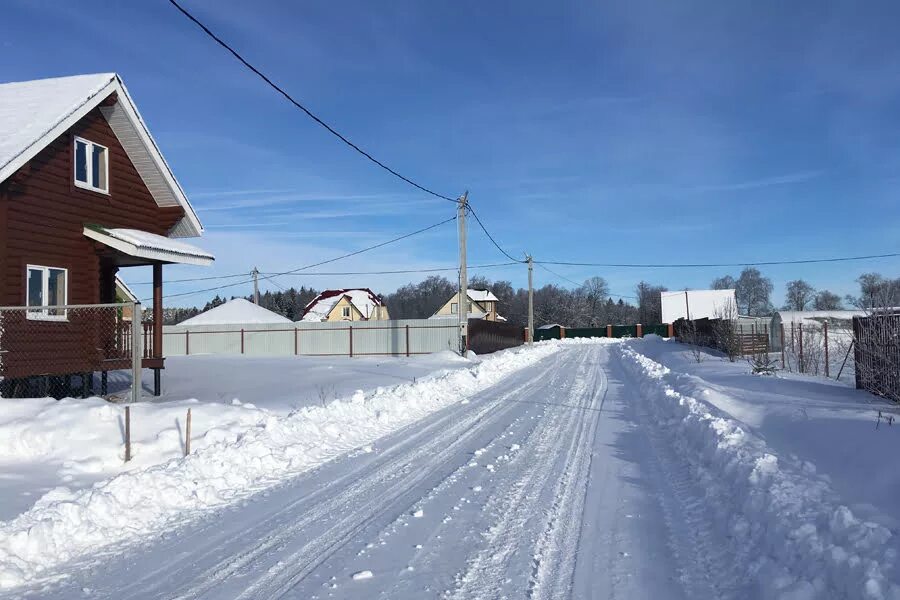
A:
(43, 314)
(89, 171)
(454, 308)
(345, 312)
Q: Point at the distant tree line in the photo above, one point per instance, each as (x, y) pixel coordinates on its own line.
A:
(589, 305)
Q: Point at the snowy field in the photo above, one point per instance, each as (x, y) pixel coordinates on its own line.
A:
(75, 443)
(576, 469)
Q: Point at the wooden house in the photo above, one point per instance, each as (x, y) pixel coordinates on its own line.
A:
(84, 192)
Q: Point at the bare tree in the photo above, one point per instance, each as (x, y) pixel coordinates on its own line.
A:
(799, 295)
(726, 282)
(753, 292)
(724, 332)
(649, 302)
(826, 300)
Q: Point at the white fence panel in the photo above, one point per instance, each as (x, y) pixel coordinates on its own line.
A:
(360, 338)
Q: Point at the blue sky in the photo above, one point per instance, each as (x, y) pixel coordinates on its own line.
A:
(608, 132)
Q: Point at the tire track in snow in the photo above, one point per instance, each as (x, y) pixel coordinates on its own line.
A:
(518, 505)
(707, 570)
(292, 570)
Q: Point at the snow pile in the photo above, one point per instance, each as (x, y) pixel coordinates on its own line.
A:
(65, 525)
(784, 522)
(238, 311)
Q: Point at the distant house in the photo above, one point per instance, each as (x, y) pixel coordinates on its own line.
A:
(356, 304)
(237, 311)
(481, 304)
(84, 192)
(697, 304)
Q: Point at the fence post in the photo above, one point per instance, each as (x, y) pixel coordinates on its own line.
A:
(187, 342)
(639, 330)
(187, 434)
(825, 329)
(800, 333)
(670, 330)
(242, 340)
(407, 341)
(351, 341)
(782, 346)
(562, 333)
(137, 351)
(792, 337)
(127, 432)
(608, 330)
(296, 341)
(741, 338)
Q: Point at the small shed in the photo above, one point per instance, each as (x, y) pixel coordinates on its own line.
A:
(697, 304)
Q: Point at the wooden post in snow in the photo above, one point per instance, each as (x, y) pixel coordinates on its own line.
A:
(187, 434)
(127, 433)
(825, 328)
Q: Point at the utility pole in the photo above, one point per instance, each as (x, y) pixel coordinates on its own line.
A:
(530, 300)
(255, 274)
(462, 304)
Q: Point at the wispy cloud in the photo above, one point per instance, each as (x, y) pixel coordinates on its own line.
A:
(787, 179)
(276, 200)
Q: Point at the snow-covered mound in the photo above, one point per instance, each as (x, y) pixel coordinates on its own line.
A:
(797, 540)
(238, 311)
(229, 465)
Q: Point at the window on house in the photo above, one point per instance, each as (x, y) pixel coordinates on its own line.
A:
(47, 287)
(454, 308)
(346, 312)
(91, 165)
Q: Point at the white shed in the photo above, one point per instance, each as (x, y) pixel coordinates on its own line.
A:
(697, 304)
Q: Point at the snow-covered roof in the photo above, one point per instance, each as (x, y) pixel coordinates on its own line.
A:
(238, 311)
(363, 299)
(702, 304)
(126, 292)
(142, 244)
(550, 326)
(471, 315)
(482, 296)
(34, 113)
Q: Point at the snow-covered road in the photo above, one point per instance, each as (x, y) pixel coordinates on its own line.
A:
(545, 486)
(585, 474)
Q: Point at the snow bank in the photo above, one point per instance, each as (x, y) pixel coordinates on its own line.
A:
(784, 522)
(65, 525)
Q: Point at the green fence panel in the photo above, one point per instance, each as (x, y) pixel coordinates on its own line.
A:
(585, 332)
(546, 334)
(620, 331)
(660, 330)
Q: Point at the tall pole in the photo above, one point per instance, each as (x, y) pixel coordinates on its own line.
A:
(530, 301)
(462, 305)
(255, 274)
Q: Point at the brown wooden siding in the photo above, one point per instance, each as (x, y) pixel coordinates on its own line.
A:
(42, 218)
(46, 213)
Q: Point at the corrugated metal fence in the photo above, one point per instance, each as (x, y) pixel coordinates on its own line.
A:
(359, 338)
(612, 331)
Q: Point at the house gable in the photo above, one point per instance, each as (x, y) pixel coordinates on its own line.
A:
(45, 212)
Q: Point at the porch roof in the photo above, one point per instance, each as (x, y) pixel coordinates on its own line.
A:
(148, 246)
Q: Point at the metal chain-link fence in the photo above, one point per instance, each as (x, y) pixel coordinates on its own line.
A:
(70, 350)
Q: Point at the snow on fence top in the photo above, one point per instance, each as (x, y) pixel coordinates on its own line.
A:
(235, 312)
(702, 304)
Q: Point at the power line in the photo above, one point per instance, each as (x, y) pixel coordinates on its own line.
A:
(490, 237)
(702, 265)
(308, 112)
(320, 263)
(397, 272)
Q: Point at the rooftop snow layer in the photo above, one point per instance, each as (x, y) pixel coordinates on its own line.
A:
(31, 109)
(481, 296)
(238, 311)
(363, 299)
(144, 244)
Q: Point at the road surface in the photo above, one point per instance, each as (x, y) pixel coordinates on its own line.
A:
(551, 484)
